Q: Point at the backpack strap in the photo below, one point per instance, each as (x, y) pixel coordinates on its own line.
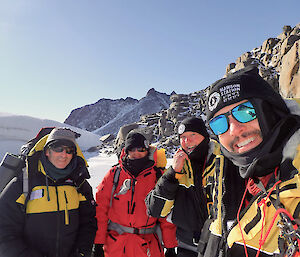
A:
(27, 176)
(158, 172)
(115, 183)
(25, 171)
(25, 184)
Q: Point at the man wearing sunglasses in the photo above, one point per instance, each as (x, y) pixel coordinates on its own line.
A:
(125, 228)
(57, 218)
(260, 133)
(183, 190)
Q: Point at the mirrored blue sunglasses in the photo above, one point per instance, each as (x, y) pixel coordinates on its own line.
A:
(243, 113)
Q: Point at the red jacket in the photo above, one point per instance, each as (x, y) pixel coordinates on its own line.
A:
(129, 209)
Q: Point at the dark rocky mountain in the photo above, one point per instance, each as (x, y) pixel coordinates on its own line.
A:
(106, 116)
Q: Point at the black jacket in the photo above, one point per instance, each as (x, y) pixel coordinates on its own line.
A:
(186, 200)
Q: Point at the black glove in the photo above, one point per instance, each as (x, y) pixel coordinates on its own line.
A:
(170, 252)
(98, 250)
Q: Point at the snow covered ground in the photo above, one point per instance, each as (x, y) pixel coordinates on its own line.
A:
(98, 166)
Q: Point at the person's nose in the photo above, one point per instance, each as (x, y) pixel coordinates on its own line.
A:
(184, 142)
(134, 150)
(235, 127)
(64, 153)
(187, 140)
(133, 153)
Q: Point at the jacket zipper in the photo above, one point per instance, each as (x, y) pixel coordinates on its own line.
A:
(66, 210)
(57, 224)
(132, 195)
(131, 205)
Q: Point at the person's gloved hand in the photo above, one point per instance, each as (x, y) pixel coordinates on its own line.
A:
(170, 252)
(98, 250)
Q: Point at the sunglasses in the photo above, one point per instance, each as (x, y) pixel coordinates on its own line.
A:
(139, 149)
(243, 113)
(60, 149)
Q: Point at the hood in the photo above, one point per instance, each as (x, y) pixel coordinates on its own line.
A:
(262, 160)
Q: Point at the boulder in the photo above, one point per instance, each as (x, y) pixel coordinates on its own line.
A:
(288, 43)
(107, 138)
(268, 45)
(289, 79)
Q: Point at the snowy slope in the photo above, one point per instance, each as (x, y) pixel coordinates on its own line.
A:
(15, 130)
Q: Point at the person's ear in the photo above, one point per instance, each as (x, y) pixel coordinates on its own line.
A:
(47, 152)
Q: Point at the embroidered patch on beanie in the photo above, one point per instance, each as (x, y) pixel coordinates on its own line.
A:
(193, 124)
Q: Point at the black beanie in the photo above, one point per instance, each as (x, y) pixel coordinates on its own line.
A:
(193, 124)
(135, 140)
(241, 85)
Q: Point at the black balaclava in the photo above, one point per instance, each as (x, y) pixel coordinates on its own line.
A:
(136, 166)
(272, 115)
(200, 152)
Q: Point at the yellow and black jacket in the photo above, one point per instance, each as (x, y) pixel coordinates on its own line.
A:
(56, 219)
(185, 199)
(226, 238)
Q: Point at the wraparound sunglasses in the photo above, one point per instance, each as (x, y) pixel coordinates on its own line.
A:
(243, 113)
(59, 149)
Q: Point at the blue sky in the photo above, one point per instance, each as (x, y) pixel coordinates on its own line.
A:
(58, 55)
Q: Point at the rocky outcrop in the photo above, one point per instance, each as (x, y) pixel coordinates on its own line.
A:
(161, 128)
(289, 79)
(277, 60)
(107, 138)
